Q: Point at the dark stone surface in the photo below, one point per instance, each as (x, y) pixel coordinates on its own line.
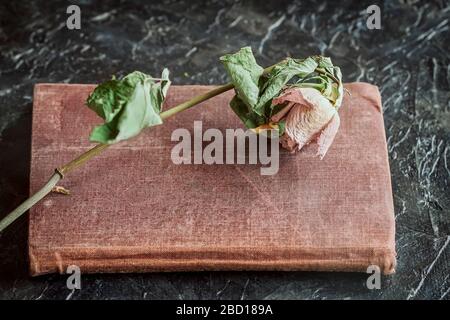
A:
(408, 59)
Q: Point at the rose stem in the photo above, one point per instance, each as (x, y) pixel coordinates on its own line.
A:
(61, 171)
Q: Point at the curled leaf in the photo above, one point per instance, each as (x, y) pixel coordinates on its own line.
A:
(279, 76)
(245, 74)
(128, 105)
(327, 78)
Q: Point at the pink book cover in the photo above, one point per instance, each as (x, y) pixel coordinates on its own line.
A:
(131, 209)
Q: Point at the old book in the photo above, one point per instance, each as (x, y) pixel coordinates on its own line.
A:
(132, 209)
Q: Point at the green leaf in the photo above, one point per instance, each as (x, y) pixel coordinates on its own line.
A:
(327, 79)
(281, 127)
(280, 76)
(244, 73)
(128, 105)
(249, 118)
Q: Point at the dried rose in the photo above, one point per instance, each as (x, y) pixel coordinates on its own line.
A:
(308, 116)
(299, 97)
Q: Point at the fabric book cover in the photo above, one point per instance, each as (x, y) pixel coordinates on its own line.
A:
(132, 209)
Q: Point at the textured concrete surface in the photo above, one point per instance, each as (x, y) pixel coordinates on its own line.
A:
(408, 59)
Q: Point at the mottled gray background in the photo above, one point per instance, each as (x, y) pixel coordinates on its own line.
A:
(408, 59)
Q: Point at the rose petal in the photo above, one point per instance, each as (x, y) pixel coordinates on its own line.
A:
(290, 95)
(280, 114)
(326, 137)
(307, 119)
(288, 143)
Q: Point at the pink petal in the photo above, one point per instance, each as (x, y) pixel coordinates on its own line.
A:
(280, 114)
(291, 95)
(327, 135)
(288, 143)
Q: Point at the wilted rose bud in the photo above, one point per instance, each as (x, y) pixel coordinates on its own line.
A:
(303, 113)
(309, 117)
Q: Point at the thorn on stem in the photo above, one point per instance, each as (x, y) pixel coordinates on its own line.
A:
(61, 190)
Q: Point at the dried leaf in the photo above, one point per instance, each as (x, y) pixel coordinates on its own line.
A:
(245, 73)
(128, 105)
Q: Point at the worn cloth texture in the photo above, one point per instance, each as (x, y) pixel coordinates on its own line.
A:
(131, 209)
